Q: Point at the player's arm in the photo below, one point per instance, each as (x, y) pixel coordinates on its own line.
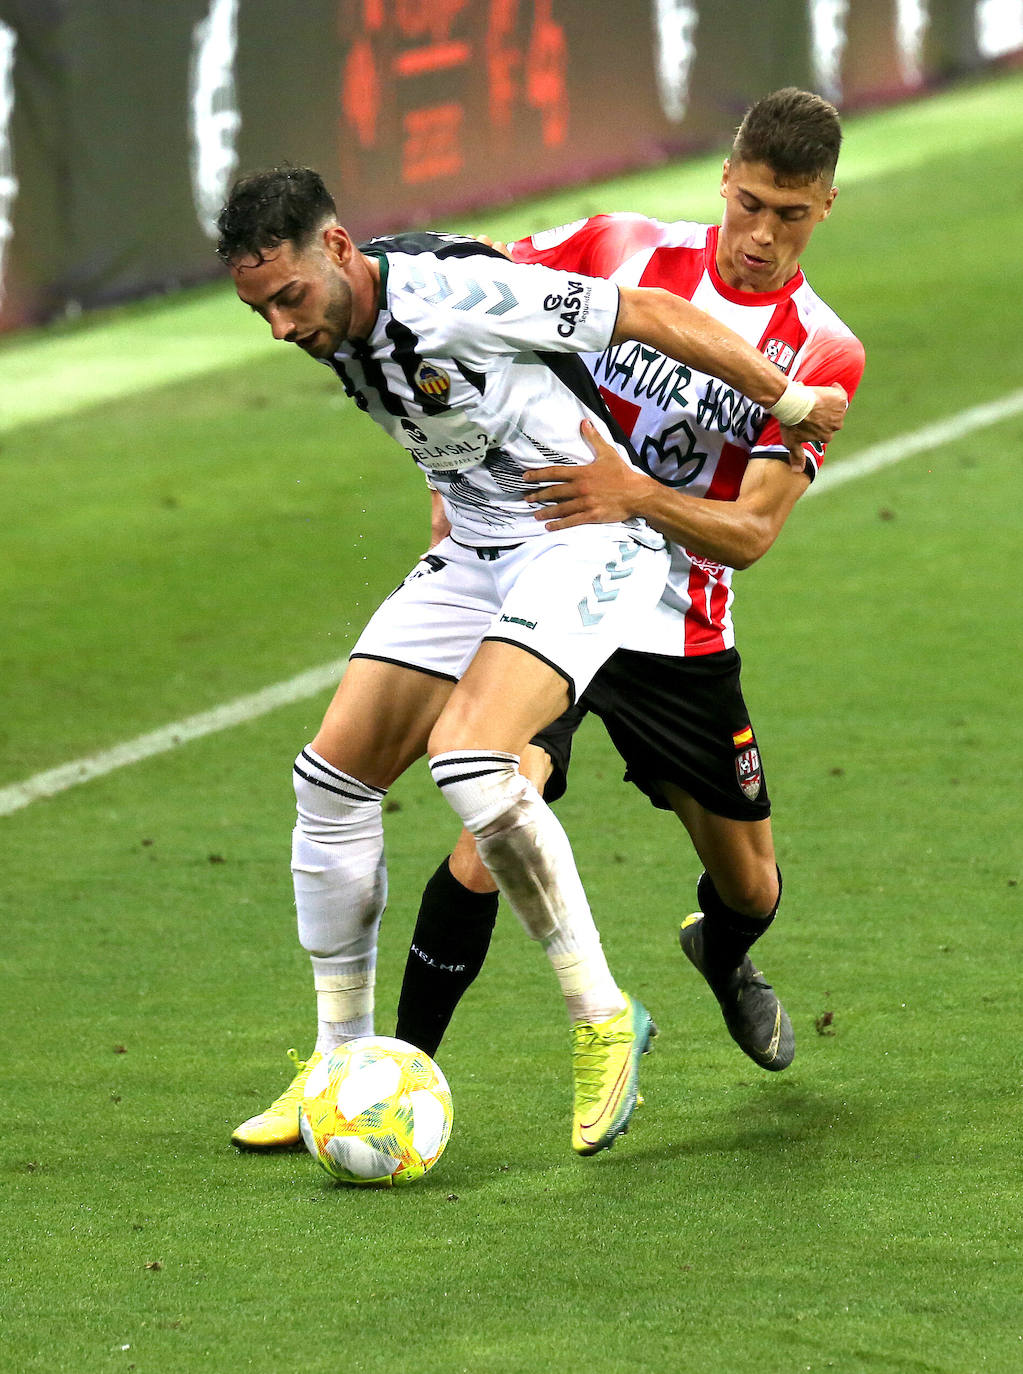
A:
(440, 525)
(680, 330)
(832, 358)
(609, 489)
(545, 308)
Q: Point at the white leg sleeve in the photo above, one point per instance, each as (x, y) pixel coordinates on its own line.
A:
(523, 844)
(337, 862)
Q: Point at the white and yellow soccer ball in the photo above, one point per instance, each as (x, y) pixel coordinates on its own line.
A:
(376, 1111)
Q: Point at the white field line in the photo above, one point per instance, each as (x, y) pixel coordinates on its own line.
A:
(236, 712)
(307, 684)
(918, 441)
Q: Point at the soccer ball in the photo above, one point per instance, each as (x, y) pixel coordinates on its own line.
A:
(376, 1111)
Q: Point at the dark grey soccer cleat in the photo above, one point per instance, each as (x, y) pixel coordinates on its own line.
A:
(756, 1020)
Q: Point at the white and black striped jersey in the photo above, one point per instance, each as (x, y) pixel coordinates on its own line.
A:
(471, 366)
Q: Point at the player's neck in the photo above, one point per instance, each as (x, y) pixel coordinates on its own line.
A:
(366, 298)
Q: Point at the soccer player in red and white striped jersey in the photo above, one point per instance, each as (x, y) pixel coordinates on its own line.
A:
(693, 434)
(716, 476)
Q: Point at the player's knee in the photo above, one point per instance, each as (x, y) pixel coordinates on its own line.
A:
(753, 890)
(452, 727)
(337, 860)
(333, 807)
(484, 787)
(453, 734)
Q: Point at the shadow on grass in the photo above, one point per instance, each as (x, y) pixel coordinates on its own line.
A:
(807, 1126)
(748, 1123)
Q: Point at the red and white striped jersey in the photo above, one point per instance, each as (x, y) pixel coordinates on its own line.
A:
(690, 430)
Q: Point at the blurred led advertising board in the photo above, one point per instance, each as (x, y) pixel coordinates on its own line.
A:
(124, 122)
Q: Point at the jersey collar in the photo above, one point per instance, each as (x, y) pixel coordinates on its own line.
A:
(384, 267)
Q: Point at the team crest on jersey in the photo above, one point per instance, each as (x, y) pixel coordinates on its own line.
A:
(748, 772)
(780, 353)
(433, 382)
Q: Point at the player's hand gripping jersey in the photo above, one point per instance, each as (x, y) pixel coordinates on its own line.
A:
(690, 430)
(457, 370)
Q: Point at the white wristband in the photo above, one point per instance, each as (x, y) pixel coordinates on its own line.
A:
(794, 404)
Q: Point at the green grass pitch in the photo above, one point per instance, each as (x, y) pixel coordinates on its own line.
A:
(229, 522)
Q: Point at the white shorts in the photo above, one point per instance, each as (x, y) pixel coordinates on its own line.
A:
(568, 598)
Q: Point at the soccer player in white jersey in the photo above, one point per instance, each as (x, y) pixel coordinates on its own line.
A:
(716, 479)
(466, 360)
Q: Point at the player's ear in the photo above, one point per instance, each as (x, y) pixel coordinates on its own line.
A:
(725, 169)
(338, 243)
(829, 201)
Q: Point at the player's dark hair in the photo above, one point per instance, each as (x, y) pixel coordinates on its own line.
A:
(266, 209)
(797, 133)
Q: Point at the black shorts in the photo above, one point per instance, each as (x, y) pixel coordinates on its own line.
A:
(556, 742)
(676, 720)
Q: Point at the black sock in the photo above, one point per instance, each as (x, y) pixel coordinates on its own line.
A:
(449, 945)
(727, 934)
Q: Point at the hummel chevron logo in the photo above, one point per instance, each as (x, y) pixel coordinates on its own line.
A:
(443, 291)
(506, 302)
(470, 301)
(435, 288)
(602, 592)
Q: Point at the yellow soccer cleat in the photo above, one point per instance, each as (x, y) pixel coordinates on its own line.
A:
(276, 1128)
(605, 1071)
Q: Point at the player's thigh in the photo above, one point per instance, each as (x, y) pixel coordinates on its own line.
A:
(435, 619)
(738, 855)
(571, 598)
(405, 664)
(380, 720)
(565, 604)
(504, 697)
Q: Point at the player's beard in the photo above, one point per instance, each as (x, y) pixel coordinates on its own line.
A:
(337, 319)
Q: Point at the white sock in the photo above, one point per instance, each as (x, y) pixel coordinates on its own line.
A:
(590, 991)
(337, 862)
(522, 843)
(344, 1001)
